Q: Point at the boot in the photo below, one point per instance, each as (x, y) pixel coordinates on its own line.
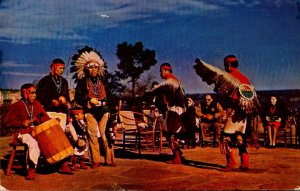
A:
(244, 163)
(64, 169)
(30, 175)
(95, 165)
(111, 164)
(82, 164)
(176, 159)
(74, 163)
(231, 164)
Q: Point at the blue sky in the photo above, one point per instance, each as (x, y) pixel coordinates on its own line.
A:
(263, 34)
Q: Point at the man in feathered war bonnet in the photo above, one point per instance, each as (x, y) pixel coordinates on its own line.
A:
(92, 94)
(52, 90)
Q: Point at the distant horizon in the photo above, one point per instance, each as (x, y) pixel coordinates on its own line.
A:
(185, 92)
(263, 34)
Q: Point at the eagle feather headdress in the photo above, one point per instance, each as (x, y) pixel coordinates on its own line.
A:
(85, 58)
(227, 85)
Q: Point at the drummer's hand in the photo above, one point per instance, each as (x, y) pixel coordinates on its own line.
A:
(35, 120)
(62, 100)
(94, 101)
(55, 103)
(26, 123)
(58, 119)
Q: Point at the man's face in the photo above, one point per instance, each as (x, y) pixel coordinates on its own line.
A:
(31, 94)
(227, 66)
(208, 99)
(59, 70)
(163, 73)
(190, 102)
(93, 71)
(79, 116)
(273, 100)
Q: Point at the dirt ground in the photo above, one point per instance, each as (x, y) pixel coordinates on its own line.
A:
(271, 169)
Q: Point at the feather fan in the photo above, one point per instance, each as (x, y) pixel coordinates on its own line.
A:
(227, 85)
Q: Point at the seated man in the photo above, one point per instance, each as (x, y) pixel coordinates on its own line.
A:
(211, 111)
(24, 115)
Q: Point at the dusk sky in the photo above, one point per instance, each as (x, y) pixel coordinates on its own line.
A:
(263, 34)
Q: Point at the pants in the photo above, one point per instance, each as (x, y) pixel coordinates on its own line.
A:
(33, 147)
(216, 128)
(92, 128)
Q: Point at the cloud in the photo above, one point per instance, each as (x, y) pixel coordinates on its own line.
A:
(13, 64)
(30, 21)
(23, 74)
(253, 3)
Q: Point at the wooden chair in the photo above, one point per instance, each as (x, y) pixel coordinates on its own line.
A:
(284, 135)
(12, 163)
(158, 136)
(136, 131)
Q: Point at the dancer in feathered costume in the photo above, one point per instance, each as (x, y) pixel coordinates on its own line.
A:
(243, 101)
(174, 99)
(92, 94)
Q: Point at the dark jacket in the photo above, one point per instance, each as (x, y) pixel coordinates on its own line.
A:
(47, 91)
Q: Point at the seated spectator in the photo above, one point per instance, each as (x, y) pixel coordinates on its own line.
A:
(211, 111)
(273, 119)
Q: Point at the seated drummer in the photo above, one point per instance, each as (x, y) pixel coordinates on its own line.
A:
(24, 115)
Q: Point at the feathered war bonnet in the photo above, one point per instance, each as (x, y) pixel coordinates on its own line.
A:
(85, 58)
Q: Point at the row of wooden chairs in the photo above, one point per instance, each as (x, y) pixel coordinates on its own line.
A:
(140, 130)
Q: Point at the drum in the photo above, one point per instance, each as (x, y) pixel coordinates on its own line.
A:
(53, 142)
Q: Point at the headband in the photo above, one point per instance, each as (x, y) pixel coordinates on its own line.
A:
(230, 59)
(76, 111)
(166, 67)
(92, 63)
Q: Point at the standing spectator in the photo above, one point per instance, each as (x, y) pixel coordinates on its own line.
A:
(211, 111)
(189, 118)
(24, 115)
(52, 90)
(92, 94)
(273, 119)
(174, 100)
